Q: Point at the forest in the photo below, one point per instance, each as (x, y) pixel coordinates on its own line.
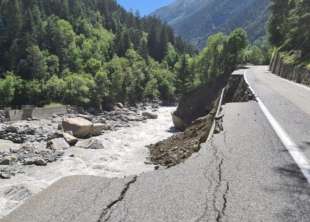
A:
(289, 30)
(93, 53)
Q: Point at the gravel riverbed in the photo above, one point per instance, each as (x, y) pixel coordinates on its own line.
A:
(123, 151)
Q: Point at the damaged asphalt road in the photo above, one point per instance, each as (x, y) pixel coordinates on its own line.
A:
(242, 174)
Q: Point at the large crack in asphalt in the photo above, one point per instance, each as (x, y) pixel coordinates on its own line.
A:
(105, 214)
(217, 189)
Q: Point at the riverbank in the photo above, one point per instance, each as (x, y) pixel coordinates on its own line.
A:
(121, 152)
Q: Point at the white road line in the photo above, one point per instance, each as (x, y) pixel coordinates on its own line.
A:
(289, 144)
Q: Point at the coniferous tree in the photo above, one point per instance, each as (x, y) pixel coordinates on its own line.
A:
(278, 21)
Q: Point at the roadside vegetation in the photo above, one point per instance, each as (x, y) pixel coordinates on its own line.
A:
(94, 53)
(289, 30)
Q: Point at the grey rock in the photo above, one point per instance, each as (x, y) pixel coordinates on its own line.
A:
(35, 161)
(97, 129)
(5, 161)
(58, 144)
(93, 144)
(150, 115)
(71, 140)
(80, 127)
(120, 105)
(4, 175)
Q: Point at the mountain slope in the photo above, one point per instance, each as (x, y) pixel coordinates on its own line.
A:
(195, 20)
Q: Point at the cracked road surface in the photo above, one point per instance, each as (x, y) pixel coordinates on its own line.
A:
(243, 173)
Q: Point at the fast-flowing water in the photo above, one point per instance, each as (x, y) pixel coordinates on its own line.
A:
(124, 153)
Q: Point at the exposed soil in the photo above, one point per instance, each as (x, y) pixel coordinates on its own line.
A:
(181, 146)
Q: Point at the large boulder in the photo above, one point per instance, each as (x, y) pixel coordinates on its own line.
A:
(80, 127)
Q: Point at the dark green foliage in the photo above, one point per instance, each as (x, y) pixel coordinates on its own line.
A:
(94, 53)
(289, 27)
(220, 57)
(278, 21)
(84, 52)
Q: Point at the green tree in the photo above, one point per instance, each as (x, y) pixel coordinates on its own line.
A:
(54, 89)
(171, 56)
(253, 55)
(101, 89)
(235, 43)
(78, 89)
(7, 88)
(184, 79)
(36, 67)
(151, 89)
(278, 22)
(298, 37)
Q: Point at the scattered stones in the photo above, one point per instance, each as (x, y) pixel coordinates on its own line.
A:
(39, 142)
(35, 161)
(9, 171)
(27, 131)
(150, 115)
(7, 160)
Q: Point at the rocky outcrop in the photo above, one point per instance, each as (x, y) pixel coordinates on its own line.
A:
(292, 72)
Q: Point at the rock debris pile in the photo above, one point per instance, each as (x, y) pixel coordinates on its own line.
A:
(40, 142)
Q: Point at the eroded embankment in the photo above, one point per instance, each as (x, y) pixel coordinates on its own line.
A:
(181, 146)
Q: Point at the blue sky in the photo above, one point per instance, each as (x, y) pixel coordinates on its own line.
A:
(144, 6)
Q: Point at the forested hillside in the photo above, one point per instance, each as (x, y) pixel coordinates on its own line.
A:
(289, 29)
(195, 20)
(93, 53)
(83, 52)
